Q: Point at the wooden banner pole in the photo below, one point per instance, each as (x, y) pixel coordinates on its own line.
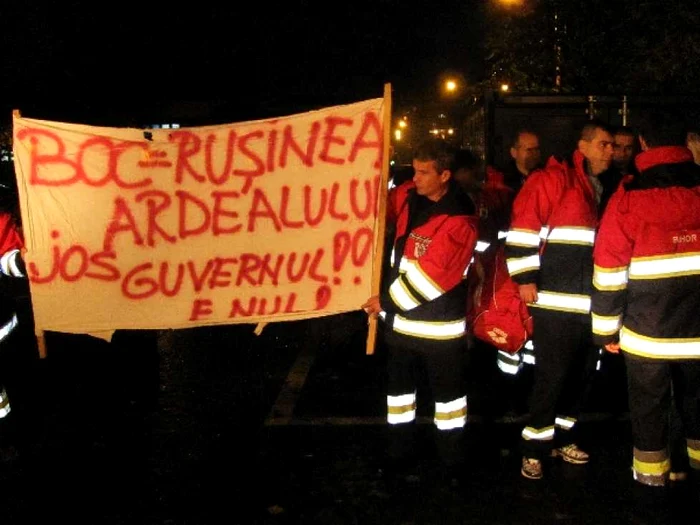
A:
(381, 217)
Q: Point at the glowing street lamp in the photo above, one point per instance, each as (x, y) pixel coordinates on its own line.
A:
(451, 86)
(505, 87)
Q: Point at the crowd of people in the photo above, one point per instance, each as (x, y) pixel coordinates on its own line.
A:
(601, 247)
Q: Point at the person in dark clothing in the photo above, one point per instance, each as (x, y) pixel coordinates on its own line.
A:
(525, 158)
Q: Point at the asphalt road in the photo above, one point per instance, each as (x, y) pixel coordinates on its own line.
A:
(218, 425)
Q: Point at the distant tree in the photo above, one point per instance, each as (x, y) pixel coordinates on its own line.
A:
(625, 46)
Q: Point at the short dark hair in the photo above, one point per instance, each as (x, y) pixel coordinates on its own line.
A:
(521, 131)
(663, 128)
(625, 131)
(465, 159)
(589, 128)
(436, 150)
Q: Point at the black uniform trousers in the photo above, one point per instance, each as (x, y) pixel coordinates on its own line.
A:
(654, 384)
(442, 363)
(564, 366)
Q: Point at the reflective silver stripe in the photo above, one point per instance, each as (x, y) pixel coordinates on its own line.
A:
(430, 329)
(382, 315)
(8, 327)
(422, 283)
(567, 423)
(524, 238)
(452, 414)
(584, 236)
(529, 345)
(546, 434)
(401, 409)
(404, 265)
(502, 234)
(481, 246)
(610, 279)
(665, 267)
(8, 264)
(604, 325)
(544, 232)
(510, 364)
(392, 257)
(646, 346)
(401, 296)
(523, 264)
(528, 359)
(565, 302)
(466, 270)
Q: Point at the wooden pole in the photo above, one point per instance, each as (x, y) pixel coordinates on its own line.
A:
(381, 217)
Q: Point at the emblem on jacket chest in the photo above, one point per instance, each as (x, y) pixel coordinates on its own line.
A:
(420, 244)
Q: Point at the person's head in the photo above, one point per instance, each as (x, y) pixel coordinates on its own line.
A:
(692, 141)
(624, 148)
(465, 171)
(525, 151)
(433, 162)
(663, 127)
(596, 145)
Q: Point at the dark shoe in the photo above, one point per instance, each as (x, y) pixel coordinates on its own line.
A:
(571, 454)
(531, 468)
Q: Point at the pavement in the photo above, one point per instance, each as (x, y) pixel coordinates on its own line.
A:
(220, 426)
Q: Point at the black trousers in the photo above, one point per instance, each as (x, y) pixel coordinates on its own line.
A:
(442, 363)
(654, 384)
(564, 366)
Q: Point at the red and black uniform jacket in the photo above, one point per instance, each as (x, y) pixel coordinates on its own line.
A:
(647, 260)
(11, 265)
(425, 295)
(550, 240)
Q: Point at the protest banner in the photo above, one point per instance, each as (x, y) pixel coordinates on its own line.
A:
(268, 220)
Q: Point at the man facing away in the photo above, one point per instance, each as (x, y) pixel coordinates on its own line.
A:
(549, 254)
(647, 298)
(424, 305)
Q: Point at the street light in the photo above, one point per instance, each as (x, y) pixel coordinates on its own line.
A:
(450, 86)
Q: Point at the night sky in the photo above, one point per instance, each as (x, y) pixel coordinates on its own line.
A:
(263, 59)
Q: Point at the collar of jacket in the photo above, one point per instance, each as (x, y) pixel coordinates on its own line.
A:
(662, 155)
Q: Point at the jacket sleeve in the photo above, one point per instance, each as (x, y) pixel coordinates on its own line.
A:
(611, 259)
(531, 211)
(11, 263)
(436, 272)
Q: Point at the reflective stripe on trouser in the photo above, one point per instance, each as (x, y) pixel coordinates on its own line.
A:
(513, 363)
(4, 403)
(443, 364)
(566, 359)
(694, 453)
(651, 467)
(653, 385)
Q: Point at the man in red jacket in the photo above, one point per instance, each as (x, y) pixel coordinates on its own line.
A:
(647, 298)
(424, 304)
(549, 250)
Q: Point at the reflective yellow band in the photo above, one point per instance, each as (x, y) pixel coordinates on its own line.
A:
(582, 236)
(451, 415)
(401, 296)
(563, 301)
(610, 280)
(523, 238)
(523, 264)
(430, 329)
(545, 434)
(422, 283)
(658, 267)
(657, 347)
(401, 409)
(603, 325)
